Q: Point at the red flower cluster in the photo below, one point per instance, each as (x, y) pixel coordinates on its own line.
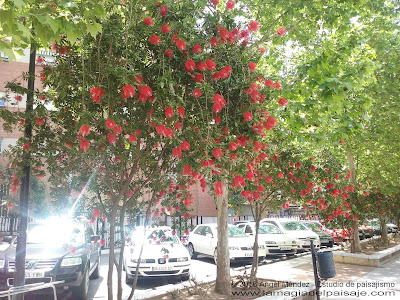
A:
(282, 101)
(127, 91)
(219, 103)
(97, 93)
(155, 40)
(281, 31)
(148, 21)
(84, 130)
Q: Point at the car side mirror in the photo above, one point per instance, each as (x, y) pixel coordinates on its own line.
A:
(209, 235)
(94, 238)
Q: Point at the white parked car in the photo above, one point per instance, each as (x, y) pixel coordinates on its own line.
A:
(163, 254)
(297, 231)
(203, 240)
(275, 241)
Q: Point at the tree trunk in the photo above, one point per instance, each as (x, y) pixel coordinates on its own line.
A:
(384, 233)
(20, 258)
(254, 266)
(121, 254)
(222, 284)
(355, 241)
(112, 252)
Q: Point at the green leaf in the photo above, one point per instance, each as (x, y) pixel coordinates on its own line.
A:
(19, 3)
(94, 29)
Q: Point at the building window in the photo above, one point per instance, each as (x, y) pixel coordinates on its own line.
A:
(1, 145)
(3, 57)
(2, 102)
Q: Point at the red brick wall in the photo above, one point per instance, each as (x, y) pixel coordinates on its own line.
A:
(12, 70)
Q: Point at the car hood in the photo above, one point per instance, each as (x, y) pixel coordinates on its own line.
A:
(153, 251)
(301, 234)
(36, 251)
(241, 241)
(277, 237)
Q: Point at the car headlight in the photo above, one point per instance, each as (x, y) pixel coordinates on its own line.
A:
(2, 263)
(234, 248)
(71, 261)
(142, 261)
(269, 242)
(182, 259)
(261, 247)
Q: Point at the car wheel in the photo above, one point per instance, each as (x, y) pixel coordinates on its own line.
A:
(215, 256)
(290, 255)
(330, 244)
(128, 280)
(185, 277)
(192, 253)
(96, 272)
(81, 292)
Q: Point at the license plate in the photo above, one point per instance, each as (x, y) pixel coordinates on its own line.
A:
(324, 241)
(286, 248)
(248, 254)
(34, 274)
(162, 268)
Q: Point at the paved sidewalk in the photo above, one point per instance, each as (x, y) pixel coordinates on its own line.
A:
(351, 281)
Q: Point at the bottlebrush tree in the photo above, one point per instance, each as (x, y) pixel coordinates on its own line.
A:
(166, 94)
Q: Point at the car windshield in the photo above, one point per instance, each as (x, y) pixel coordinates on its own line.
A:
(313, 227)
(156, 236)
(56, 234)
(291, 225)
(268, 229)
(235, 232)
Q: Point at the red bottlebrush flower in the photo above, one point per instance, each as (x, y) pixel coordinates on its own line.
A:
(160, 129)
(217, 108)
(269, 83)
(254, 26)
(341, 141)
(39, 121)
(84, 145)
(196, 48)
(96, 212)
(97, 93)
(214, 41)
(298, 165)
(21, 122)
(210, 65)
(217, 120)
(169, 53)
(155, 40)
(163, 10)
(165, 29)
(84, 130)
(230, 4)
(117, 129)
(239, 180)
(185, 146)
(127, 91)
(252, 66)
(281, 31)
(178, 126)
(190, 65)
(233, 146)
(187, 170)
(145, 91)
(42, 97)
(218, 188)
(177, 152)
(110, 123)
(68, 144)
(218, 99)
(217, 153)
(149, 21)
(132, 138)
(181, 111)
(268, 179)
(282, 101)
(169, 112)
(112, 138)
(198, 78)
(196, 93)
(280, 175)
(277, 85)
(138, 78)
(225, 72)
(262, 50)
(312, 168)
(202, 66)
(248, 116)
(18, 98)
(181, 45)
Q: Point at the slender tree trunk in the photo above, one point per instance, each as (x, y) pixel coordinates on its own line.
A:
(355, 241)
(254, 266)
(222, 284)
(111, 256)
(384, 233)
(121, 254)
(19, 274)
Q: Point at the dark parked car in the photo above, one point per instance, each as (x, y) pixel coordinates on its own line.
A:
(57, 250)
(325, 238)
